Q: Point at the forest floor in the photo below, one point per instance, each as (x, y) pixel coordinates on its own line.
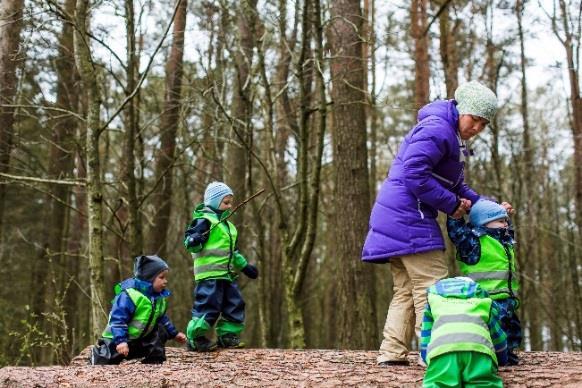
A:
(279, 368)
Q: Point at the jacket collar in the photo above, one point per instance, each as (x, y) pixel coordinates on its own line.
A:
(144, 287)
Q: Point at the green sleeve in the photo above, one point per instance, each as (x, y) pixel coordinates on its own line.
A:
(239, 261)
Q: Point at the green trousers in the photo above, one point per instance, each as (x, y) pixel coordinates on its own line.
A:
(462, 369)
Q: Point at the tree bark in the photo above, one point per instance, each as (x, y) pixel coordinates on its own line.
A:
(355, 284)
(10, 57)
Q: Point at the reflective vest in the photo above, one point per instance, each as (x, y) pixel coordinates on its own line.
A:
(495, 272)
(459, 325)
(215, 260)
(144, 318)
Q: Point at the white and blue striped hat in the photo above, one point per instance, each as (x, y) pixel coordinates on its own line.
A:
(214, 194)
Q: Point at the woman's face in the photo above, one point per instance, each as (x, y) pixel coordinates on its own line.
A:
(470, 125)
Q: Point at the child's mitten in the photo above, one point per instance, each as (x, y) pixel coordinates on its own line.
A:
(251, 271)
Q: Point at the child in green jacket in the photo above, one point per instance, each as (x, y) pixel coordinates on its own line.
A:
(212, 240)
(461, 340)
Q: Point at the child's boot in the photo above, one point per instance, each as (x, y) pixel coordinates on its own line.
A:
(512, 359)
(201, 344)
(230, 340)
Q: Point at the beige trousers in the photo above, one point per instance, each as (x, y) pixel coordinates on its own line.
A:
(412, 275)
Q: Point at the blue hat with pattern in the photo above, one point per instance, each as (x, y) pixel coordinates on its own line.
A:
(214, 194)
(485, 211)
(476, 99)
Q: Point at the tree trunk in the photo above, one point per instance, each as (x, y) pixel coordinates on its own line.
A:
(418, 25)
(571, 44)
(355, 284)
(133, 229)
(448, 48)
(61, 162)
(10, 26)
(238, 152)
(169, 122)
(88, 75)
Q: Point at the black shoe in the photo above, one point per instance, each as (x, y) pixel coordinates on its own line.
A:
(230, 341)
(403, 362)
(201, 344)
(512, 359)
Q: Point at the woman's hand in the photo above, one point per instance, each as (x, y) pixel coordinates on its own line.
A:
(510, 210)
(462, 209)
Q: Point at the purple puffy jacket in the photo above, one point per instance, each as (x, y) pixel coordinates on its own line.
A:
(426, 176)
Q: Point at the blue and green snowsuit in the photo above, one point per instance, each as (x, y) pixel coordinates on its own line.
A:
(217, 261)
(487, 256)
(461, 341)
(138, 317)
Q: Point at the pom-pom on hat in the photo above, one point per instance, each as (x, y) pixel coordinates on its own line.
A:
(476, 99)
(214, 194)
(148, 267)
(485, 211)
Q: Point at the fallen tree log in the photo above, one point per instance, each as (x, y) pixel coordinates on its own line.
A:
(280, 368)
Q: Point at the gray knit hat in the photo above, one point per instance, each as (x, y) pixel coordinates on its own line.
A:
(214, 194)
(148, 267)
(476, 99)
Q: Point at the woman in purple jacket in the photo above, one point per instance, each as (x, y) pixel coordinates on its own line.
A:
(426, 177)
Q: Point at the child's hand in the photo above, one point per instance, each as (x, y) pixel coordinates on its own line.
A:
(123, 348)
(180, 337)
(510, 210)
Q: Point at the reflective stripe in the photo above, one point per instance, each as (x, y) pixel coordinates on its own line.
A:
(459, 337)
(139, 325)
(210, 267)
(492, 275)
(212, 252)
(459, 318)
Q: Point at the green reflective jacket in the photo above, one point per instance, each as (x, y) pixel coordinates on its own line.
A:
(496, 271)
(459, 325)
(145, 316)
(218, 258)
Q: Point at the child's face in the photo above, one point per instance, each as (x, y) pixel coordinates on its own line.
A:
(497, 224)
(226, 203)
(161, 281)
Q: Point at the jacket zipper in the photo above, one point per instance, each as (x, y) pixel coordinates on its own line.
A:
(442, 178)
(230, 245)
(509, 271)
(419, 209)
(147, 326)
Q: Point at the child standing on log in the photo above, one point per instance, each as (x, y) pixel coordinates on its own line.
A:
(461, 341)
(138, 325)
(486, 255)
(212, 240)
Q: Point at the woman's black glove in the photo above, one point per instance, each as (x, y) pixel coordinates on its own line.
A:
(251, 271)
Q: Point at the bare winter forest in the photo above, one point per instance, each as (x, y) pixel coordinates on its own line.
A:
(116, 114)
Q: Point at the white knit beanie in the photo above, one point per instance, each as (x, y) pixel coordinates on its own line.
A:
(476, 99)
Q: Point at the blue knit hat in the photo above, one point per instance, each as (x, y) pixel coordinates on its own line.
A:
(476, 99)
(214, 194)
(485, 211)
